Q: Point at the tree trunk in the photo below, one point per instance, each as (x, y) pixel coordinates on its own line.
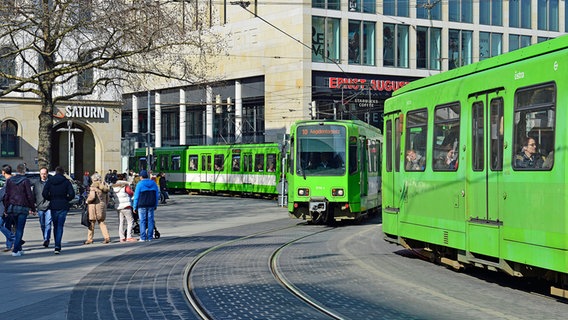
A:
(45, 133)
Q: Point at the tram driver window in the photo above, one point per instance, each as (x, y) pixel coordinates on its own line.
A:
(534, 128)
(192, 165)
(446, 137)
(415, 155)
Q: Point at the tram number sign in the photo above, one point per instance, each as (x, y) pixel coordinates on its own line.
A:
(318, 131)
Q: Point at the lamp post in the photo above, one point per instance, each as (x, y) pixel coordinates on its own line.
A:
(70, 139)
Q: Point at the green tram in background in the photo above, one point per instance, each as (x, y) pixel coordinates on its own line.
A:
(236, 168)
(333, 170)
(474, 167)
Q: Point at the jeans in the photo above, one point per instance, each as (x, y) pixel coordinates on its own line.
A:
(125, 215)
(58, 217)
(146, 216)
(6, 229)
(20, 221)
(45, 223)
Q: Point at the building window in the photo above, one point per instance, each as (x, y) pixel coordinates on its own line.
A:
(361, 49)
(7, 66)
(326, 4)
(367, 6)
(520, 14)
(491, 12)
(428, 47)
(194, 120)
(398, 8)
(170, 127)
(10, 142)
(325, 39)
(461, 10)
(547, 15)
(395, 49)
(460, 48)
(425, 9)
(489, 45)
(517, 42)
(253, 123)
(85, 78)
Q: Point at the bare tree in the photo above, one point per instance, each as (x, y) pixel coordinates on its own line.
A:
(60, 50)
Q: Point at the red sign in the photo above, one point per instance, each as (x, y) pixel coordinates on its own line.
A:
(357, 84)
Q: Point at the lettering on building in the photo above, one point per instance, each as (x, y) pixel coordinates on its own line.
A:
(358, 84)
(85, 112)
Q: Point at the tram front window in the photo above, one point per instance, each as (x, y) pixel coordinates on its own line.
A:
(321, 150)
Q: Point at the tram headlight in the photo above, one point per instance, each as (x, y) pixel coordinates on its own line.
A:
(337, 192)
(303, 192)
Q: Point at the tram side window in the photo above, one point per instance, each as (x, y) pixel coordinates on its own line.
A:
(446, 137)
(192, 164)
(247, 163)
(496, 134)
(236, 163)
(415, 155)
(176, 163)
(219, 162)
(477, 152)
(534, 127)
(373, 155)
(259, 162)
(206, 162)
(389, 145)
(164, 162)
(271, 162)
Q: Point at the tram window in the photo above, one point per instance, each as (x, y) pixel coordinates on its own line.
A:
(176, 163)
(477, 152)
(534, 128)
(415, 155)
(446, 137)
(353, 163)
(271, 162)
(193, 163)
(389, 145)
(247, 163)
(259, 162)
(236, 163)
(373, 150)
(219, 162)
(496, 134)
(206, 162)
(164, 162)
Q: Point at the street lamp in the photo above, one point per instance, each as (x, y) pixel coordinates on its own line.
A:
(70, 138)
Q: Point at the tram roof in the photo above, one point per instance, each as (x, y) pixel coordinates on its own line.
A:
(500, 60)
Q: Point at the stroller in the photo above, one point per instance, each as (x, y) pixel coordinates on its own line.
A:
(136, 226)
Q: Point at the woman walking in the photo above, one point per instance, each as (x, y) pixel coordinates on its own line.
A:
(123, 205)
(97, 204)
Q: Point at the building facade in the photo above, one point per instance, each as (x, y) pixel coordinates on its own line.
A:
(329, 59)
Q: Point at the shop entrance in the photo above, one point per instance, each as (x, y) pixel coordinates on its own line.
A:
(73, 148)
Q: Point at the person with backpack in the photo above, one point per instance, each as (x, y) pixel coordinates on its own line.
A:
(145, 202)
(121, 192)
(58, 190)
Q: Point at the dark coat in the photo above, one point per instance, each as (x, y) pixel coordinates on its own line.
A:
(19, 192)
(59, 191)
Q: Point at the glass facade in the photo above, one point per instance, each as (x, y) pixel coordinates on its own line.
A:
(361, 49)
(327, 4)
(326, 39)
(490, 45)
(367, 6)
(517, 41)
(400, 8)
(460, 48)
(429, 10)
(461, 11)
(547, 12)
(520, 14)
(395, 49)
(491, 12)
(428, 48)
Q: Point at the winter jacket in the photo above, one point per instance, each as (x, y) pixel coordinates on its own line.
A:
(122, 193)
(58, 191)
(146, 195)
(97, 201)
(41, 203)
(19, 192)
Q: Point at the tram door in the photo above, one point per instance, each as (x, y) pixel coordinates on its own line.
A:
(206, 173)
(485, 172)
(391, 188)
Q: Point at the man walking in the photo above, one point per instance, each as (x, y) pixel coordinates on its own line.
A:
(145, 202)
(19, 202)
(5, 224)
(58, 191)
(42, 206)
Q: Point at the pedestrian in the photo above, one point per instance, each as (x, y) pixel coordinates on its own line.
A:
(163, 187)
(145, 202)
(19, 202)
(5, 226)
(123, 192)
(87, 181)
(58, 191)
(96, 205)
(42, 206)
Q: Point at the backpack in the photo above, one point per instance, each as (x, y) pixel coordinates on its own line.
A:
(113, 198)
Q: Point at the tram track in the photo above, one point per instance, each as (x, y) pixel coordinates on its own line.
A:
(201, 309)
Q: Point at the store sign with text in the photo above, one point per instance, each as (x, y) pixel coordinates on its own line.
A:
(81, 112)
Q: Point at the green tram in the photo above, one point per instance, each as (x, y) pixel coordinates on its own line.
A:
(236, 168)
(474, 167)
(333, 170)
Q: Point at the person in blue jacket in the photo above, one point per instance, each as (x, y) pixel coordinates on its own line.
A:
(145, 202)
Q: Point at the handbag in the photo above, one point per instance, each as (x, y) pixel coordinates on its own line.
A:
(85, 217)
